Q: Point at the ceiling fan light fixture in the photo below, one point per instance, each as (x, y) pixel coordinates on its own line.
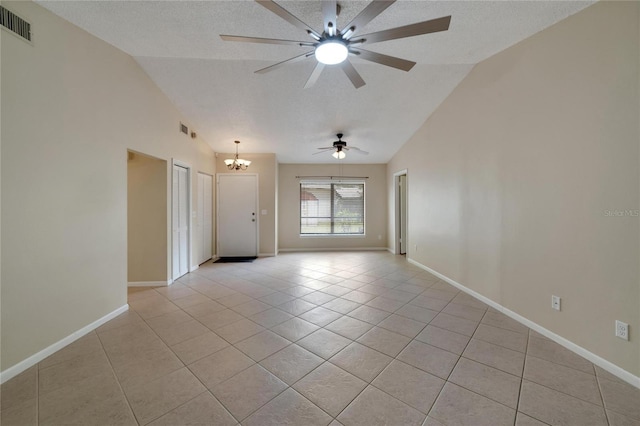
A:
(339, 155)
(331, 52)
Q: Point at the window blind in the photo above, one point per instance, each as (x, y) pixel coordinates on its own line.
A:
(328, 208)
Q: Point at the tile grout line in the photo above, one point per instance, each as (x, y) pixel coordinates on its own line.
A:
(456, 364)
(560, 391)
(207, 390)
(324, 361)
(38, 393)
(539, 384)
(258, 363)
(524, 366)
(370, 383)
(176, 355)
(606, 411)
(113, 371)
(239, 372)
(565, 393)
(352, 341)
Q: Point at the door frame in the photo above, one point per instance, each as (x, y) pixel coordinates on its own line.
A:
(397, 224)
(185, 165)
(257, 201)
(212, 213)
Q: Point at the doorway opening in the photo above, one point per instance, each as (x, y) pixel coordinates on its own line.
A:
(146, 220)
(401, 191)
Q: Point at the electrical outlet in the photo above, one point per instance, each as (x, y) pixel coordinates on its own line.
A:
(555, 302)
(622, 330)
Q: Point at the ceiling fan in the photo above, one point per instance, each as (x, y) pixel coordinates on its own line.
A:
(340, 147)
(334, 45)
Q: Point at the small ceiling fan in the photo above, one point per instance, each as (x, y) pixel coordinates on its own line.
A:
(340, 147)
(333, 45)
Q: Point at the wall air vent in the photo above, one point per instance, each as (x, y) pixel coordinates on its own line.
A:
(15, 24)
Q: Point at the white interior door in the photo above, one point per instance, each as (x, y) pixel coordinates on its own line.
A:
(402, 214)
(205, 215)
(180, 221)
(237, 221)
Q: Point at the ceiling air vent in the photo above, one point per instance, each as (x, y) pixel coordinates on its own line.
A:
(184, 129)
(15, 24)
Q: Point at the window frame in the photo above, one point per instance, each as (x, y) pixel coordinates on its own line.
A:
(332, 218)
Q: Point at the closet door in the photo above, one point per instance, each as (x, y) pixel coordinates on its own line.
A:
(180, 221)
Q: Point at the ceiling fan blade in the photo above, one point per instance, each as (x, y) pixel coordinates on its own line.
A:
(353, 75)
(286, 15)
(327, 147)
(390, 61)
(285, 62)
(323, 151)
(314, 75)
(330, 14)
(360, 151)
(426, 27)
(372, 10)
(264, 40)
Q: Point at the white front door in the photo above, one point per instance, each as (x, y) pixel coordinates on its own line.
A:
(205, 216)
(237, 221)
(180, 221)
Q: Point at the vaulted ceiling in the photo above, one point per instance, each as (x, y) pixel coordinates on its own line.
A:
(212, 82)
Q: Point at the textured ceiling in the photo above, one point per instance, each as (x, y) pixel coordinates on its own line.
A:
(213, 82)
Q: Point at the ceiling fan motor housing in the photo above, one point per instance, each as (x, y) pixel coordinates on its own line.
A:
(333, 46)
(339, 144)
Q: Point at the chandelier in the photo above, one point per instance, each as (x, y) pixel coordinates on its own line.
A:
(236, 163)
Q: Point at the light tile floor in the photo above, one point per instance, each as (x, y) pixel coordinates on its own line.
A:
(315, 339)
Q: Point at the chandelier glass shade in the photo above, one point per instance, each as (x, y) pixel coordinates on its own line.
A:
(237, 163)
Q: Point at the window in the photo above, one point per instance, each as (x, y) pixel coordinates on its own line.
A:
(331, 208)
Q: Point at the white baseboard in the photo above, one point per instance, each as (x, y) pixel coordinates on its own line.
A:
(595, 359)
(390, 250)
(148, 283)
(333, 249)
(13, 371)
(266, 254)
(194, 268)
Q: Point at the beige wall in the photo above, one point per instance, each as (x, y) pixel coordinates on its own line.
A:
(289, 206)
(71, 107)
(146, 219)
(511, 178)
(265, 166)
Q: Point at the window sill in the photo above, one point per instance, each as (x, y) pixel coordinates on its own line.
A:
(332, 235)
